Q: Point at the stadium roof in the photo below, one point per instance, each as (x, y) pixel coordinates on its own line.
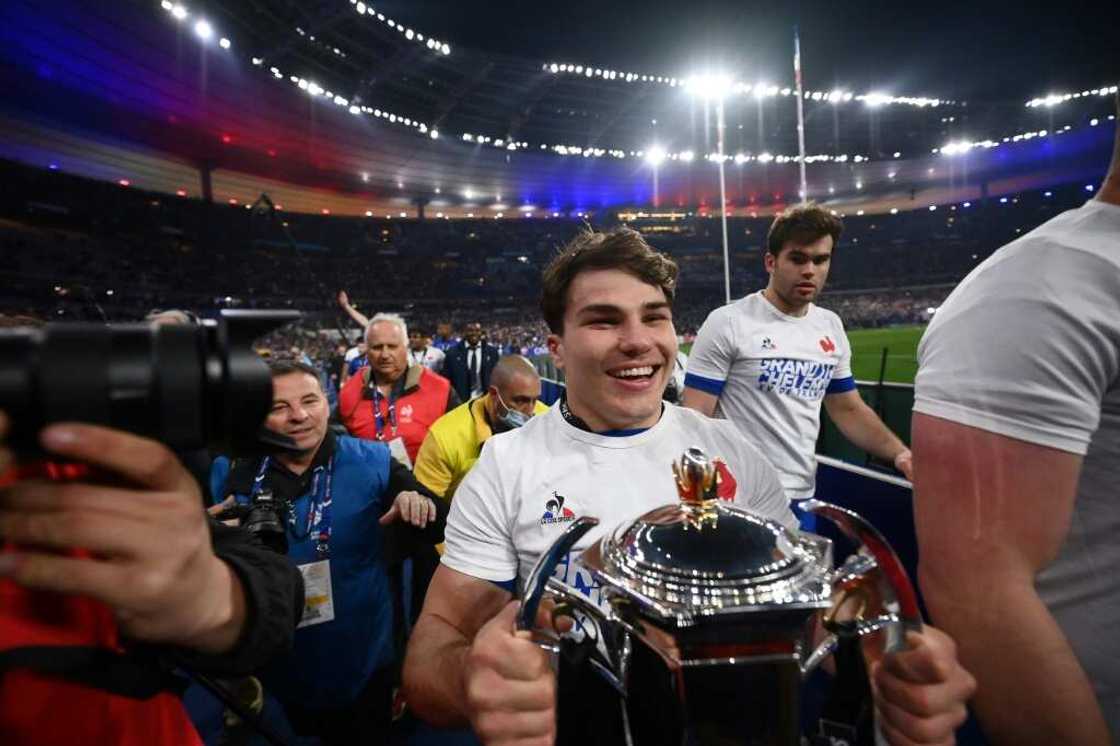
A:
(465, 104)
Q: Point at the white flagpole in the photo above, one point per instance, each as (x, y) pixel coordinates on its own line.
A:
(804, 190)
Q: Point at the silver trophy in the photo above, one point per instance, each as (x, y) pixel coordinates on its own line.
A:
(711, 611)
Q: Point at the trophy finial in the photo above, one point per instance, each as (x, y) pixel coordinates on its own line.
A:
(696, 476)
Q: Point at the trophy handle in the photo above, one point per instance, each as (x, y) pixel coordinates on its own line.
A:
(537, 581)
(541, 582)
(877, 565)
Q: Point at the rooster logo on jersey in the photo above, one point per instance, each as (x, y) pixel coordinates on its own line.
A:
(555, 512)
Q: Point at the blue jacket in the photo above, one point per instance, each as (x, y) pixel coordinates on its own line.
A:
(331, 662)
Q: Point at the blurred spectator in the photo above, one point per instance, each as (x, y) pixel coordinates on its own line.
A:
(422, 353)
(470, 363)
(455, 441)
(391, 400)
(443, 339)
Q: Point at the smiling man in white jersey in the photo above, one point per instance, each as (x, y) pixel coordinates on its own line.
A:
(604, 451)
(766, 361)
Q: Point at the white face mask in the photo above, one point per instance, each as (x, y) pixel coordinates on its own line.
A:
(512, 418)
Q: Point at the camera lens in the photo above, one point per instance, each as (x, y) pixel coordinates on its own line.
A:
(187, 386)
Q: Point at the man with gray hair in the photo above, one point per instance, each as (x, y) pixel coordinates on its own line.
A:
(392, 400)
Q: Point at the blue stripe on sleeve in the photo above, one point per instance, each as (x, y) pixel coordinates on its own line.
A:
(506, 585)
(707, 385)
(841, 385)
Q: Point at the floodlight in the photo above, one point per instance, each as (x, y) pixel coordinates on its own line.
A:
(655, 154)
(709, 87)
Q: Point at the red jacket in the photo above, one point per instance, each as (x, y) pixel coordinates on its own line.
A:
(40, 629)
(421, 397)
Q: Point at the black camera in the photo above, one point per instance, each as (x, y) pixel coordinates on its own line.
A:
(188, 386)
(264, 516)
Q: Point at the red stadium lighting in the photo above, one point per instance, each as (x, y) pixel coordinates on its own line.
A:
(271, 153)
(232, 201)
(124, 182)
(227, 139)
(181, 192)
(325, 211)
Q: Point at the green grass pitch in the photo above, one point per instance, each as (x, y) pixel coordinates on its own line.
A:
(901, 343)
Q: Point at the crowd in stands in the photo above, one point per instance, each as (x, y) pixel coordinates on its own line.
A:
(77, 249)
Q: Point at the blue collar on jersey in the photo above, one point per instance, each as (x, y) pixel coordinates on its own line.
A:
(577, 422)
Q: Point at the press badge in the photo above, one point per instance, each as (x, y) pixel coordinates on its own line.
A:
(399, 452)
(318, 602)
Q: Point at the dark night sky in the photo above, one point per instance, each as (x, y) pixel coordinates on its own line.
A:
(971, 50)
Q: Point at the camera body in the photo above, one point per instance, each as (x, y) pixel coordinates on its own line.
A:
(264, 517)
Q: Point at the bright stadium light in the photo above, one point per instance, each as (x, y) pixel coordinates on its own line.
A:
(224, 43)
(179, 12)
(687, 156)
(655, 155)
(709, 87)
(875, 99)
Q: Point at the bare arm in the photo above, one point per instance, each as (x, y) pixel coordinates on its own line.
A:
(358, 316)
(455, 609)
(860, 425)
(701, 401)
(992, 511)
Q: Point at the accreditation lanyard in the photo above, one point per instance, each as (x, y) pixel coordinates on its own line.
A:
(318, 508)
(379, 419)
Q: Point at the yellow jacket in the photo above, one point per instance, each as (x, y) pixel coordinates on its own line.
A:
(453, 444)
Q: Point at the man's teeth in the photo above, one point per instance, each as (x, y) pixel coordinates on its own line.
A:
(634, 372)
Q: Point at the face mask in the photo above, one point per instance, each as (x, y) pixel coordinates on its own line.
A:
(512, 418)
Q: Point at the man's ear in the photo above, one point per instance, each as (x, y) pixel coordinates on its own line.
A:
(556, 349)
(768, 261)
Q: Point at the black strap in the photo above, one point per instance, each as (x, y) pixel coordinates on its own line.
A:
(239, 480)
(126, 675)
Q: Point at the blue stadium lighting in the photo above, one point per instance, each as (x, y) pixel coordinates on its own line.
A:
(1003, 200)
(1089, 187)
(967, 204)
(932, 208)
(1047, 194)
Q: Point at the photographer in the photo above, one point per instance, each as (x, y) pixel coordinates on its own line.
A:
(333, 505)
(155, 585)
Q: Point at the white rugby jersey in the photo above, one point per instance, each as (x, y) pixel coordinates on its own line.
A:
(430, 357)
(770, 372)
(530, 483)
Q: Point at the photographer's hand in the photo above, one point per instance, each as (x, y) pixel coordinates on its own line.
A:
(152, 561)
(412, 508)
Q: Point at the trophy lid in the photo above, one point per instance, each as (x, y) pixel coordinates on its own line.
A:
(704, 556)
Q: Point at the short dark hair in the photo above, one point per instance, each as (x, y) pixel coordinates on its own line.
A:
(286, 367)
(621, 248)
(802, 224)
